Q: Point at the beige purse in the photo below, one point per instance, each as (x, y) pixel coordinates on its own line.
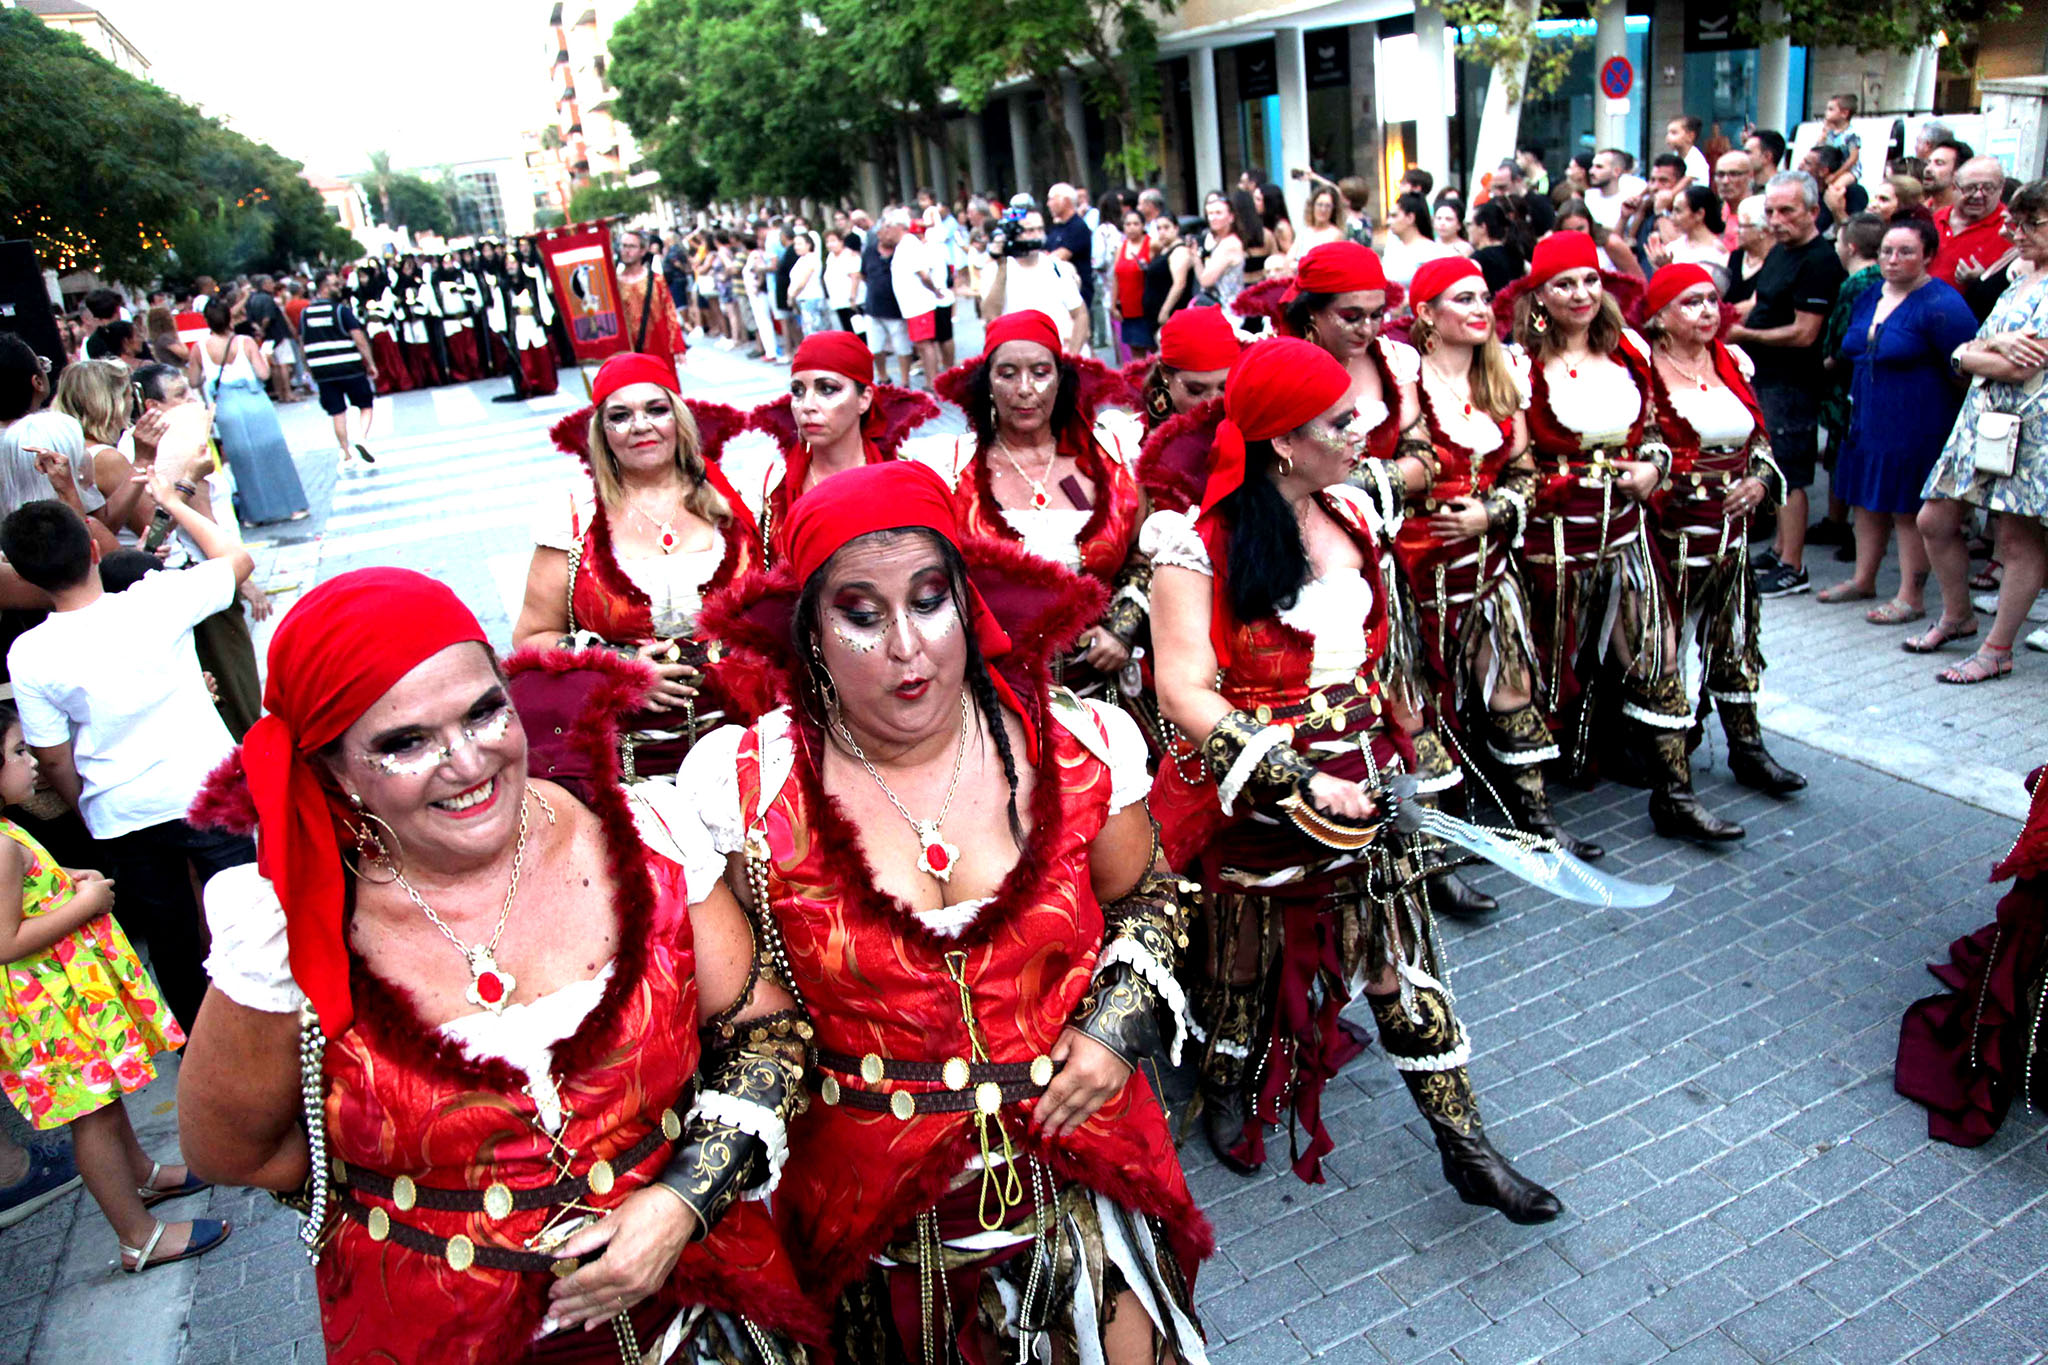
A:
(1995, 437)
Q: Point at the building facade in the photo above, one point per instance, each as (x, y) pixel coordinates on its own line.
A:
(588, 143)
(90, 27)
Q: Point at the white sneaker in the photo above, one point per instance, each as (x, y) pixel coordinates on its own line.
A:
(2038, 640)
(1987, 602)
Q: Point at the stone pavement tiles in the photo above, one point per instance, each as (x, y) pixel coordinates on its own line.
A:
(1706, 1083)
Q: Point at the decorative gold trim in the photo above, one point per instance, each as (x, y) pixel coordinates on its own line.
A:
(601, 1177)
(955, 1073)
(903, 1105)
(461, 1253)
(404, 1194)
(498, 1200)
(671, 1126)
(379, 1225)
(1041, 1070)
(871, 1069)
(828, 1090)
(988, 1097)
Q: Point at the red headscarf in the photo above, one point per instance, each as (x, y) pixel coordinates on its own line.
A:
(337, 651)
(840, 352)
(1668, 283)
(892, 496)
(1559, 252)
(632, 367)
(1337, 268)
(1029, 325)
(1276, 386)
(1440, 274)
(1199, 339)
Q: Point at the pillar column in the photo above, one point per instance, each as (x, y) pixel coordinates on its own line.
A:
(906, 165)
(1610, 121)
(1020, 148)
(1432, 105)
(1774, 79)
(870, 186)
(939, 158)
(1077, 126)
(1291, 68)
(1208, 140)
(1923, 87)
(977, 156)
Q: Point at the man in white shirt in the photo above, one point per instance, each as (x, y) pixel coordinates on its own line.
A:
(1613, 188)
(1032, 277)
(916, 273)
(114, 705)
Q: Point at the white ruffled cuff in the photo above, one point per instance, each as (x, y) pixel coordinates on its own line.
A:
(1156, 976)
(754, 1119)
(1254, 752)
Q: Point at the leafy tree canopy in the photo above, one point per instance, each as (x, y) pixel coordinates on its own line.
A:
(606, 199)
(107, 172)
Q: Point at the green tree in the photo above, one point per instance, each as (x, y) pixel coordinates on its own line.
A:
(378, 182)
(606, 199)
(1899, 27)
(416, 204)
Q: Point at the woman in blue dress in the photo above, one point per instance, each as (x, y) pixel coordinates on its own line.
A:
(231, 375)
(1903, 400)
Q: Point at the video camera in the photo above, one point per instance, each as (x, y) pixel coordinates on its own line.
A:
(1006, 235)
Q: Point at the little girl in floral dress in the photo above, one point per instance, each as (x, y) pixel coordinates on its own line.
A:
(79, 1022)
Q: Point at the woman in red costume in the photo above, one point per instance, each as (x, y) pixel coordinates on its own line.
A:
(1044, 468)
(958, 864)
(1722, 474)
(1183, 401)
(1337, 301)
(1969, 1052)
(1602, 603)
(1457, 541)
(445, 1009)
(625, 561)
(1270, 632)
(834, 418)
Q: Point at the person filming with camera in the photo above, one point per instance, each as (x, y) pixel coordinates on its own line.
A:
(1028, 277)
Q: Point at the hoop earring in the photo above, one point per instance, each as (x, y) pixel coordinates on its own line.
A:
(1286, 465)
(821, 679)
(371, 847)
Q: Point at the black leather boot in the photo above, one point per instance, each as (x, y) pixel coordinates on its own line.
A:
(1674, 810)
(1520, 744)
(1225, 1114)
(1748, 761)
(1450, 894)
(1443, 1094)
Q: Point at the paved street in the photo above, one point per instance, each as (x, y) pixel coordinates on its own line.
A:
(1707, 1084)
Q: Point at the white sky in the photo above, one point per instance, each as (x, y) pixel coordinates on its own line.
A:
(430, 81)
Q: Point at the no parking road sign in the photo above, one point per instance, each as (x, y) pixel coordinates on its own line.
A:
(1617, 77)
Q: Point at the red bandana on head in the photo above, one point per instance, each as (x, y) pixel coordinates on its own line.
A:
(1029, 325)
(337, 651)
(1668, 283)
(1559, 252)
(632, 367)
(842, 353)
(1199, 339)
(893, 496)
(1440, 274)
(1337, 268)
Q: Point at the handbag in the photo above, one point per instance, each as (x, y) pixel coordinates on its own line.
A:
(1995, 436)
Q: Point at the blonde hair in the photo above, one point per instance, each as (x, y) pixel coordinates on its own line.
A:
(704, 501)
(1494, 390)
(1908, 190)
(100, 394)
(1602, 336)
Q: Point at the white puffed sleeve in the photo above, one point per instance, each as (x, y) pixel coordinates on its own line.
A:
(1743, 363)
(1120, 434)
(250, 961)
(1404, 360)
(745, 461)
(945, 452)
(1129, 779)
(1518, 366)
(697, 816)
(561, 513)
(1170, 538)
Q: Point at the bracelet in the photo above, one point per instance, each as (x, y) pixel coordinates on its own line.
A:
(190, 490)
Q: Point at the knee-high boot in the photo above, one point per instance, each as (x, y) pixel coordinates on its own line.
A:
(1429, 1051)
(1520, 744)
(1449, 893)
(1657, 714)
(1228, 1014)
(1751, 763)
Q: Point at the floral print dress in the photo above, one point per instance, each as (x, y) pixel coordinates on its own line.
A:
(80, 1020)
(2023, 306)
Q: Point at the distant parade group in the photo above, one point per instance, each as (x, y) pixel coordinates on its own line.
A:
(479, 313)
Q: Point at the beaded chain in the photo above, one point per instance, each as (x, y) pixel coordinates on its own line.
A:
(764, 914)
(312, 1097)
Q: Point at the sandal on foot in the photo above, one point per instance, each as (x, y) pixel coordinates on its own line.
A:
(152, 1196)
(1893, 613)
(1846, 591)
(1937, 636)
(206, 1234)
(1987, 663)
(1987, 578)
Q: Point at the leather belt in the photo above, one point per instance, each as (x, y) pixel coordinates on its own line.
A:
(459, 1251)
(984, 1097)
(1324, 702)
(968, 1086)
(500, 1200)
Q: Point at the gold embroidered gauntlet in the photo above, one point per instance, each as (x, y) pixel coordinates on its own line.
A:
(1125, 616)
(1243, 752)
(736, 1136)
(1135, 976)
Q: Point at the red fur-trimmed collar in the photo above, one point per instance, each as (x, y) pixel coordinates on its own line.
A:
(1173, 464)
(1135, 373)
(893, 414)
(1100, 387)
(1041, 606)
(224, 802)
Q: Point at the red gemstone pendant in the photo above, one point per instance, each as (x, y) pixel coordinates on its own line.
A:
(490, 986)
(668, 542)
(1040, 501)
(936, 856)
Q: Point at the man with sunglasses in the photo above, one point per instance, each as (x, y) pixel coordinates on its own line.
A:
(1973, 229)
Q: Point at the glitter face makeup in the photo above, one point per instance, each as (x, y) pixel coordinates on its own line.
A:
(415, 753)
(856, 643)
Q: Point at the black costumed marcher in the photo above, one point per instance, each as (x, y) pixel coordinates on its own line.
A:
(378, 306)
(1603, 610)
(455, 290)
(1722, 475)
(419, 326)
(1338, 300)
(533, 320)
(986, 1174)
(834, 418)
(1968, 1053)
(495, 353)
(1270, 631)
(1457, 542)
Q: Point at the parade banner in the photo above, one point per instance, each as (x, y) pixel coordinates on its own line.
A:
(579, 261)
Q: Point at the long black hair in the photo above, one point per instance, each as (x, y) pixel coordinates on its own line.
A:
(981, 400)
(806, 627)
(1299, 313)
(1268, 561)
(1707, 204)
